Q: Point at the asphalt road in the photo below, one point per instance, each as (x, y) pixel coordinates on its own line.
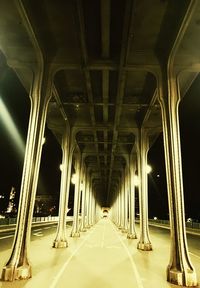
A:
(6, 238)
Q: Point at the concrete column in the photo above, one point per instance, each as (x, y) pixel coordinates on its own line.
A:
(131, 173)
(180, 270)
(121, 205)
(67, 150)
(90, 203)
(142, 150)
(125, 203)
(119, 209)
(83, 204)
(88, 179)
(18, 266)
(75, 226)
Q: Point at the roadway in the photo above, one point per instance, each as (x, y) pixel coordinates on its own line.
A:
(101, 258)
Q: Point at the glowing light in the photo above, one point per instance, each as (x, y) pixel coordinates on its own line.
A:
(7, 120)
(43, 140)
(148, 169)
(61, 167)
(136, 180)
(74, 178)
(81, 186)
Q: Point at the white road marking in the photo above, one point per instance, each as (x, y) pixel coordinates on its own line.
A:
(195, 255)
(36, 230)
(56, 279)
(39, 234)
(103, 236)
(8, 236)
(137, 275)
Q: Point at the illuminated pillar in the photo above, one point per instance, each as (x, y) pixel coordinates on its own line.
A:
(67, 153)
(88, 179)
(180, 270)
(131, 174)
(125, 202)
(18, 266)
(83, 204)
(75, 226)
(142, 150)
(119, 208)
(121, 204)
(90, 203)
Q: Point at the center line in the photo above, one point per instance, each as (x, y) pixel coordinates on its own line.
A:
(55, 281)
(194, 255)
(103, 236)
(137, 275)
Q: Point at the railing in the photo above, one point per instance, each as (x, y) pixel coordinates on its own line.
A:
(10, 221)
(192, 224)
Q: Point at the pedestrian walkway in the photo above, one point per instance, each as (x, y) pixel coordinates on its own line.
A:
(101, 258)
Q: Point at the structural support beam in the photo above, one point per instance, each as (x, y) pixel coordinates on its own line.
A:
(67, 150)
(75, 226)
(180, 270)
(18, 266)
(142, 150)
(131, 190)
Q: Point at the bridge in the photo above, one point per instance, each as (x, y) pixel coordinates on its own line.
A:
(107, 78)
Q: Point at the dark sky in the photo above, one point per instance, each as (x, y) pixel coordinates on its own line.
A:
(17, 103)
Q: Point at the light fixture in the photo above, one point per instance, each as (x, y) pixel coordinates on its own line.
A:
(43, 140)
(136, 181)
(148, 169)
(81, 186)
(74, 178)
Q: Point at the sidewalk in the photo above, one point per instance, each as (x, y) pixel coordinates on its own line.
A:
(101, 258)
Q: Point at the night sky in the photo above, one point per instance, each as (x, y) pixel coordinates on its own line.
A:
(17, 102)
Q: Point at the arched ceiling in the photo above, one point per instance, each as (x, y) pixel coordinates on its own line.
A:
(106, 54)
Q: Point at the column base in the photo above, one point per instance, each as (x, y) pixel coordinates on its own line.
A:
(131, 236)
(11, 273)
(83, 230)
(144, 246)
(182, 278)
(60, 244)
(124, 230)
(75, 234)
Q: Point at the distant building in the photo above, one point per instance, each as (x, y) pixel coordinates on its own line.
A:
(45, 205)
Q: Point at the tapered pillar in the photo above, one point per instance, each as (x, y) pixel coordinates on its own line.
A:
(87, 204)
(180, 270)
(75, 226)
(61, 238)
(125, 195)
(18, 266)
(131, 187)
(90, 204)
(83, 204)
(121, 205)
(142, 150)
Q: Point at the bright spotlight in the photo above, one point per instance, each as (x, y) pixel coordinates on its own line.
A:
(61, 167)
(7, 120)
